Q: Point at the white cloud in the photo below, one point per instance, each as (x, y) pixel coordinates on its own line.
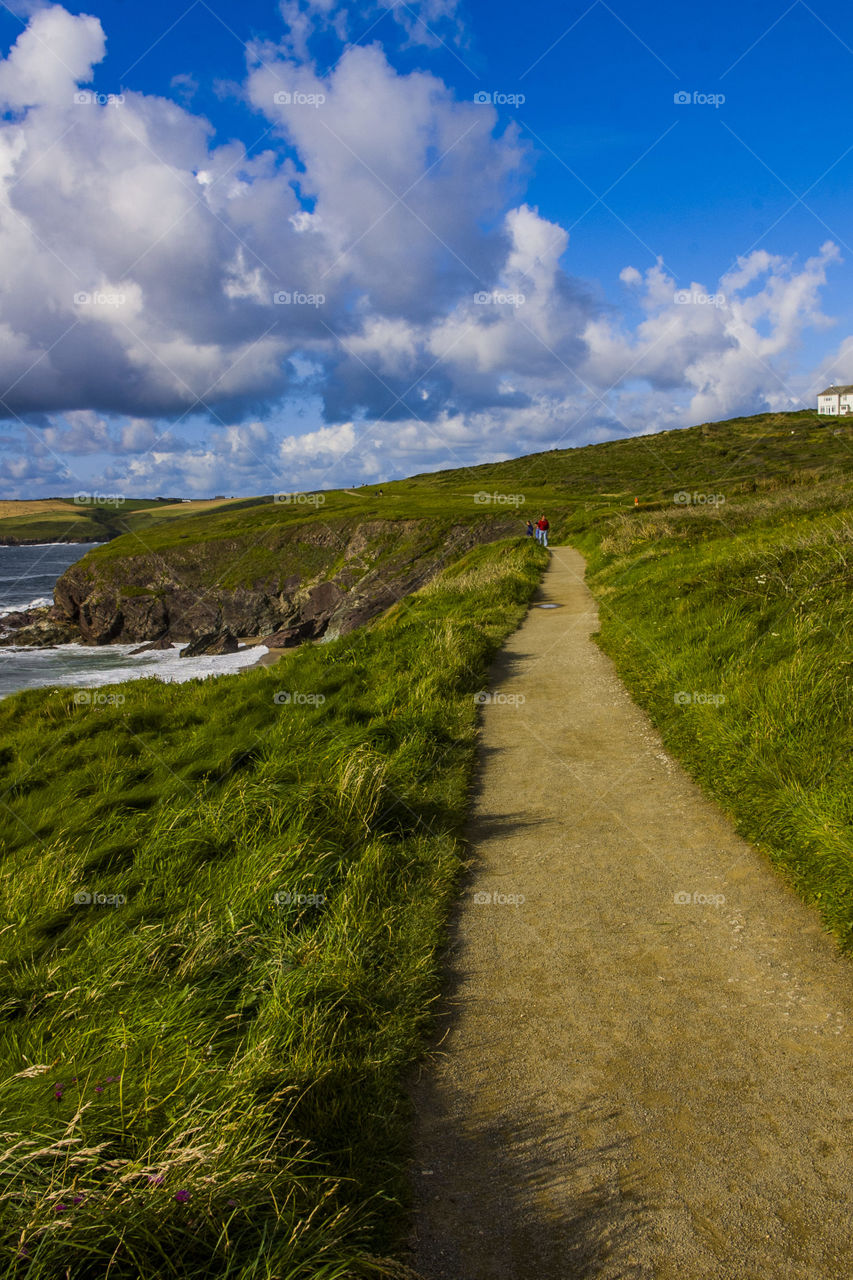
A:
(51, 57)
(731, 345)
(381, 194)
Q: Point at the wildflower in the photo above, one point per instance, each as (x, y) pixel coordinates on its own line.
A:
(60, 1208)
(182, 1196)
(231, 1203)
(156, 1180)
(99, 1088)
(78, 1199)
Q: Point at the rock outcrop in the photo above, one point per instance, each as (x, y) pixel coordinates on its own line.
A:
(301, 582)
(212, 644)
(164, 642)
(36, 628)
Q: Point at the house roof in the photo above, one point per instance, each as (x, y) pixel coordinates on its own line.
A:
(831, 391)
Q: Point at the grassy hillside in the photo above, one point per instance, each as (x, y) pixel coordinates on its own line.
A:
(722, 457)
(88, 520)
(202, 1060)
(50, 520)
(202, 1067)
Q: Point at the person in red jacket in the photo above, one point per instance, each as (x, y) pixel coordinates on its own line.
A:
(542, 527)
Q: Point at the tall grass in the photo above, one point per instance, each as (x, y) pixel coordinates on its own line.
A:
(201, 1073)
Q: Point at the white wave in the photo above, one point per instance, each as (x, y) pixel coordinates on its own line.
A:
(85, 666)
(40, 602)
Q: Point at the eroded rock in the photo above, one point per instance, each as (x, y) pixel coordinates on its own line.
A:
(214, 643)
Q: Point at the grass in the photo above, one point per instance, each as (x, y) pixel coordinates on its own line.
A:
(202, 1066)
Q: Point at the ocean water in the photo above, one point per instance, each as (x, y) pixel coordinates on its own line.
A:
(27, 574)
(27, 578)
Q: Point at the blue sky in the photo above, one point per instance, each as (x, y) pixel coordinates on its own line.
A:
(647, 262)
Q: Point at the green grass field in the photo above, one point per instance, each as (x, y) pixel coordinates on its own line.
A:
(206, 1079)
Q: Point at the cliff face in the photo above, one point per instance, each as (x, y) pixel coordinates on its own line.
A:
(318, 579)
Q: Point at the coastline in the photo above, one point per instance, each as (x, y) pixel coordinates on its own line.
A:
(7, 541)
(268, 659)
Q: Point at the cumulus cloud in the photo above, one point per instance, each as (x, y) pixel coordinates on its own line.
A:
(148, 272)
(51, 57)
(731, 346)
(172, 304)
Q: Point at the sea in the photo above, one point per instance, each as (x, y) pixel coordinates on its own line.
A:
(27, 579)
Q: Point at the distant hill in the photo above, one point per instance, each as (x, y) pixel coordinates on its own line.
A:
(96, 519)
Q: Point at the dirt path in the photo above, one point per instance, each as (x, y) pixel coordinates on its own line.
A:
(627, 1086)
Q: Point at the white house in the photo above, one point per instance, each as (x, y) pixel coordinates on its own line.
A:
(835, 400)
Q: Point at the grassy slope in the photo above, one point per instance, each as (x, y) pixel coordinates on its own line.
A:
(201, 1038)
(203, 800)
(67, 520)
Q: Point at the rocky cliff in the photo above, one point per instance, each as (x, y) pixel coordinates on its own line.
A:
(305, 581)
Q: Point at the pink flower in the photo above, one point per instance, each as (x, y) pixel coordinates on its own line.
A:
(182, 1196)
